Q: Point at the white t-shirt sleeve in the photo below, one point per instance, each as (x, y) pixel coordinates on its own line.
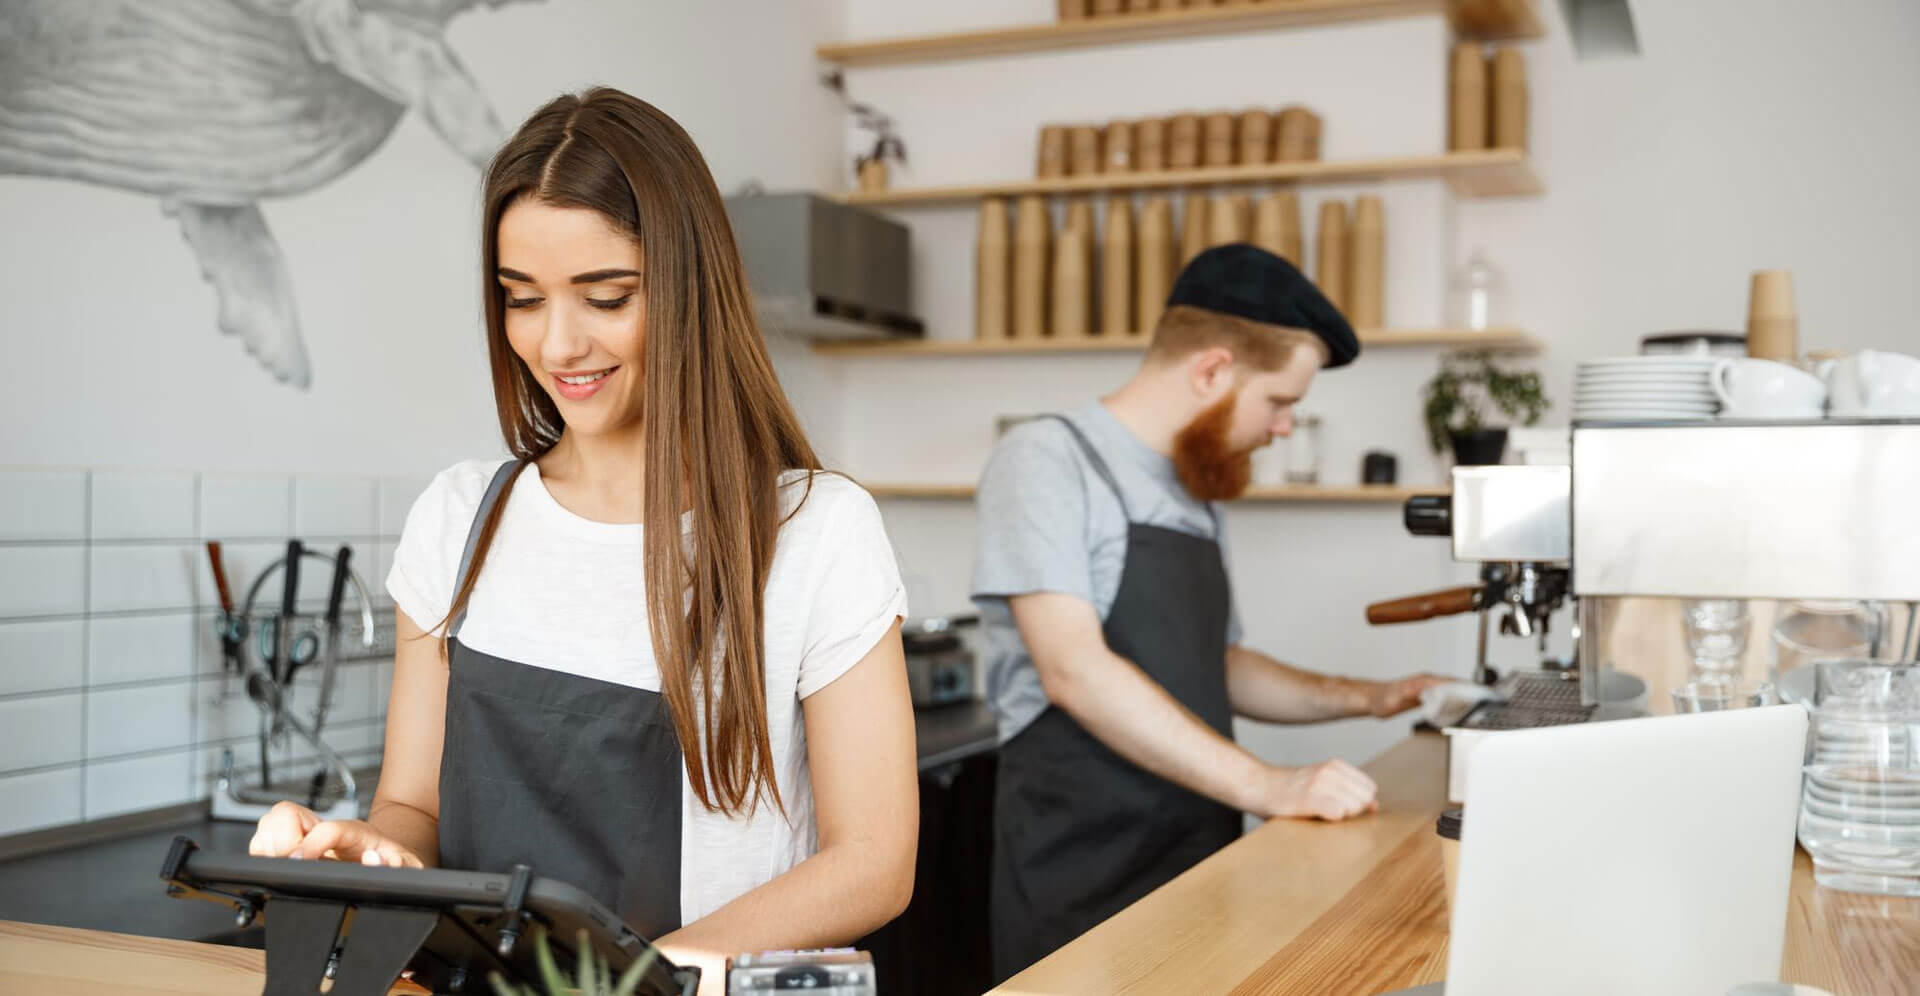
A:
(859, 594)
(428, 554)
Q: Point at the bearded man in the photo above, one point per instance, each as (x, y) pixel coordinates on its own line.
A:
(1113, 655)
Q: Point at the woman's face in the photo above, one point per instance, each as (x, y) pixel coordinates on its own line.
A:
(576, 311)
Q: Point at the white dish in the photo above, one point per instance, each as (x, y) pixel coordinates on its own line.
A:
(1651, 362)
(1800, 416)
(1640, 394)
(1687, 380)
(1646, 405)
(1665, 404)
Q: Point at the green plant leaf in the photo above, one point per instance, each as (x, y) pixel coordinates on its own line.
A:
(1469, 387)
(504, 988)
(630, 979)
(550, 977)
(583, 973)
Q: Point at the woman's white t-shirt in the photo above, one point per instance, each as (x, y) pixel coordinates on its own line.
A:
(566, 593)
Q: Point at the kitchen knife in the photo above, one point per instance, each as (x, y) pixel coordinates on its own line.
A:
(231, 633)
(283, 626)
(330, 646)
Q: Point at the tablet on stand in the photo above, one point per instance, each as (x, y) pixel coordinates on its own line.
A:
(364, 926)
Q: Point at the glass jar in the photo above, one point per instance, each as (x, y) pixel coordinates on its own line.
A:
(1860, 802)
(1303, 450)
(1811, 631)
(1476, 296)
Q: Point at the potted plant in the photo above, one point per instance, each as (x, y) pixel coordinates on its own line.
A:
(869, 168)
(1463, 397)
(593, 976)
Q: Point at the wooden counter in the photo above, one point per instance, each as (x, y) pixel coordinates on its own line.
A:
(68, 961)
(1294, 907)
(1357, 908)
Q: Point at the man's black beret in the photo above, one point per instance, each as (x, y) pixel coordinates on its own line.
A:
(1249, 282)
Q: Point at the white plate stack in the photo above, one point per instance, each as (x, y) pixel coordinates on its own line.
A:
(1644, 388)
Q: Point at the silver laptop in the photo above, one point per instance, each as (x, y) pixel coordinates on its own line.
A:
(1640, 856)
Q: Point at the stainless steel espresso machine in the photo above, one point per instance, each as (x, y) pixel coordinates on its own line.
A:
(1746, 510)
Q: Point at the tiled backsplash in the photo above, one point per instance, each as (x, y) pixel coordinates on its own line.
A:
(112, 697)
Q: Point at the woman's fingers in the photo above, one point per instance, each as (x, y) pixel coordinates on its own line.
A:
(344, 838)
(281, 830)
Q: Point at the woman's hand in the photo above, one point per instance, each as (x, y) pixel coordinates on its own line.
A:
(290, 830)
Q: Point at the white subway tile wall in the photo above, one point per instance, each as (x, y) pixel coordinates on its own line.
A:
(112, 699)
(245, 506)
(123, 649)
(43, 581)
(127, 786)
(39, 799)
(139, 719)
(42, 731)
(43, 505)
(334, 506)
(42, 656)
(129, 505)
(141, 577)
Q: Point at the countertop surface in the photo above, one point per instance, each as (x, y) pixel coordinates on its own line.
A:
(1358, 908)
(115, 886)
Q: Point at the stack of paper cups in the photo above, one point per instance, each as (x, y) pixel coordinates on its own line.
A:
(1154, 275)
(1773, 327)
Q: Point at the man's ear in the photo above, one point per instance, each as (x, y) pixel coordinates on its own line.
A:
(1210, 371)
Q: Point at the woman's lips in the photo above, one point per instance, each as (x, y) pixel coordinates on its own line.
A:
(584, 384)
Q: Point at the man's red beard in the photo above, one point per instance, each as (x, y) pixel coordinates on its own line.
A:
(1210, 468)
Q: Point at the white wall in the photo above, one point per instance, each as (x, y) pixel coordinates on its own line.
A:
(113, 356)
(1748, 135)
(113, 359)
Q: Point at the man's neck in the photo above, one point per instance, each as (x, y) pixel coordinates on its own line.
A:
(1153, 408)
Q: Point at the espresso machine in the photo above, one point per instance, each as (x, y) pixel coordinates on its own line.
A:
(1726, 509)
(1514, 521)
(1756, 511)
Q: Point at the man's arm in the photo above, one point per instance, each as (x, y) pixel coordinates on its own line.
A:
(1265, 689)
(1136, 718)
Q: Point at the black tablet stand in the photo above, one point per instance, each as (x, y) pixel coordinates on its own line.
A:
(305, 945)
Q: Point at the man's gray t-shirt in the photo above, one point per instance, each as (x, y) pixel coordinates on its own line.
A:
(1049, 523)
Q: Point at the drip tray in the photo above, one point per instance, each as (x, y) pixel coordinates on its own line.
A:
(1533, 700)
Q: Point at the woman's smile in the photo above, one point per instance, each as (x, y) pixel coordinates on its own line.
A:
(579, 385)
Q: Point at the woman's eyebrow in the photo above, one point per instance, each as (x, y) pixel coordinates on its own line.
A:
(595, 276)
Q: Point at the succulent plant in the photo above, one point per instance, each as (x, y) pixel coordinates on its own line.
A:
(592, 975)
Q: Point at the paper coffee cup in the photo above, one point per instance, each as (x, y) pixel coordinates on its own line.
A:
(1448, 830)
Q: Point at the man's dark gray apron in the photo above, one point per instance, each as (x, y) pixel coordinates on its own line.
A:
(576, 777)
(1080, 832)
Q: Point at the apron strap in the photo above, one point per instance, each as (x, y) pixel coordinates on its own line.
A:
(1094, 458)
(495, 489)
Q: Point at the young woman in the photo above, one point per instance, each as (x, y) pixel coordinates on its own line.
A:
(657, 652)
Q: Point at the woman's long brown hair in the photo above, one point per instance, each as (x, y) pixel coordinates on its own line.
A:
(719, 430)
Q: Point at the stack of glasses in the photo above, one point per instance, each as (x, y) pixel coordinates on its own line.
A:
(1860, 807)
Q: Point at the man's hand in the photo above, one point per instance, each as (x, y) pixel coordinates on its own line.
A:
(1330, 790)
(1391, 698)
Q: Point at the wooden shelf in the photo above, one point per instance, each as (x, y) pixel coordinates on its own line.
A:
(1484, 19)
(1504, 339)
(1476, 173)
(1359, 494)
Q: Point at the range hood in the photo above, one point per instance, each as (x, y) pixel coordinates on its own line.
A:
(822, 269)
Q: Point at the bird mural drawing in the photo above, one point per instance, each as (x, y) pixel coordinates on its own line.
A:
(213, 106)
